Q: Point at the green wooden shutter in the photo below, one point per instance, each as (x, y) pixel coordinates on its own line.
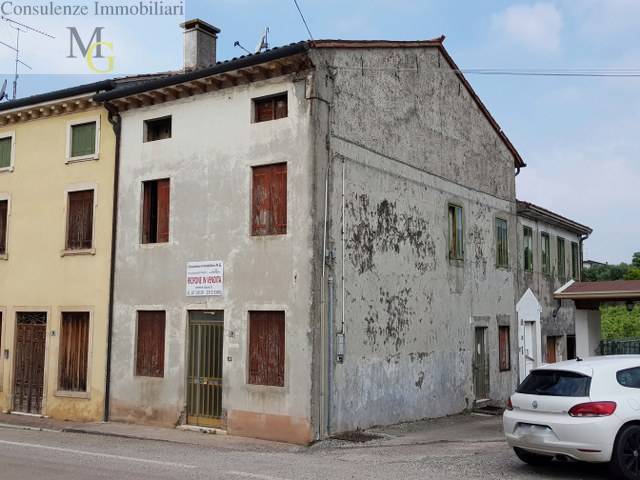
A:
(83, 139)
(5, 152)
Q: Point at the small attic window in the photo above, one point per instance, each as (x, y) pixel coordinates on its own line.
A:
(157, 129)
(270, 108)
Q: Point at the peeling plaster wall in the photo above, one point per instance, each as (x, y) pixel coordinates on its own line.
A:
(209, 160)
(406, 139)
(543, 285)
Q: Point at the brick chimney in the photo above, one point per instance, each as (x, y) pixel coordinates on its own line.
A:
(199, 44)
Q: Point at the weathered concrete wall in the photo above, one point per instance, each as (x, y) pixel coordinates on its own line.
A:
(209, 160)
(543, 285)
(405, 139)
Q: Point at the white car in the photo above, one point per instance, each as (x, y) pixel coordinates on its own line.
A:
(587, 410)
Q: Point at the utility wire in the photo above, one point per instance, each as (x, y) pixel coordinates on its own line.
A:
(508, 72)
(304, 20)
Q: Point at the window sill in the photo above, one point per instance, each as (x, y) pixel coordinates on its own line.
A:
(506, 268)
(4, 257)
(76, 253)
(456, 262)
(86, 158)
(80, 395)
(150, 246)
(266, 388)
(7, 169)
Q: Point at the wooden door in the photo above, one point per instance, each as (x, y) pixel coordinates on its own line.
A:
(481, 365)
(31, 336)
(551, 349)
(204, 371)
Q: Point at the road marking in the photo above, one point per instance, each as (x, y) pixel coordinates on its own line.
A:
(93, 454)
(254, 475)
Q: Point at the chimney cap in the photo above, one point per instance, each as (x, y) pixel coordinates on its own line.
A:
(196, 23)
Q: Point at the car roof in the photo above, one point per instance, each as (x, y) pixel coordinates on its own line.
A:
(589, 365)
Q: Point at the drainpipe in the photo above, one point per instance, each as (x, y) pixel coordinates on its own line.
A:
(116, 122)
(582, 239)
(330, 284)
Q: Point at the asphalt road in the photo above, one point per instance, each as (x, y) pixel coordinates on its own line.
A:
(27, 455)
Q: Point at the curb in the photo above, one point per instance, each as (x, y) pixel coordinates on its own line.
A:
(10, 426)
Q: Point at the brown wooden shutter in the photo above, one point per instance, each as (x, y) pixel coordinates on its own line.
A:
(504, 348)
(4, 212)
(74, 352)
(264, 110)
(269, 200)
(281, 108)
(146, 213)
(150, 344)
(261, 211)
(163, 210)
(266, 348)
(80, 220)
(279, 198)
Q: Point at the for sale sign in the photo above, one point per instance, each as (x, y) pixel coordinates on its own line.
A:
(205, 279)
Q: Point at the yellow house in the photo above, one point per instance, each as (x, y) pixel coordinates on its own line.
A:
(57, 168)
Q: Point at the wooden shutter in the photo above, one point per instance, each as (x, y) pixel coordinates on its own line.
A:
(163, 210)
(505, 348)
(281, 107)
(269, 200)
(5, 152)
(150, 344)
(146, 212)
(264, 110)
(74, 352)
(83, 139)
(4, 213)
(80, 220)
(266, 348)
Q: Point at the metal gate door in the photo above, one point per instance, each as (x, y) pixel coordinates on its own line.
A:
(31, 337)
(204, 374)
(481, 365)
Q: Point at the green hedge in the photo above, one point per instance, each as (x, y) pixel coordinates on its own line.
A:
(619, 323)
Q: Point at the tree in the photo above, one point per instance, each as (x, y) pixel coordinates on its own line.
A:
(632, 274)
(635, 261)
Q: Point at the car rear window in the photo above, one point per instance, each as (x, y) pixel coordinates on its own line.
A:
(556, 383)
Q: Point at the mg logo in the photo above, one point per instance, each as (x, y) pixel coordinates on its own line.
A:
(91, 50)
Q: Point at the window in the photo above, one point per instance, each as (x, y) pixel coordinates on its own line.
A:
(502, 243)
(150, 344)
(269, 202)
(561, 260)
(155, 211)
(83, 140)
(74, 352)
(546, 253)
(556, 383)
(456, 233)
(505, 348)
(575, 272)
(266, 348)
(80, 220)
(270, 108)
(157, 129)
(629, 377)
(553, 344)
(6, 152)
(4, 220)
(528, 249)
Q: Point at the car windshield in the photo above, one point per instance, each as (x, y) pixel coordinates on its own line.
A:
(556, 383)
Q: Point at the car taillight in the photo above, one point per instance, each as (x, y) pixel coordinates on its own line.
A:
(593, 409)
(509, 405)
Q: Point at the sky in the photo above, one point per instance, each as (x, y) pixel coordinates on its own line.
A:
(579, 136)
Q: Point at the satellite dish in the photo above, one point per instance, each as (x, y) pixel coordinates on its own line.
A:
(3, 91)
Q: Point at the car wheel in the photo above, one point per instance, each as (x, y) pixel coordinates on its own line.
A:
(532, 458)
(625, 461)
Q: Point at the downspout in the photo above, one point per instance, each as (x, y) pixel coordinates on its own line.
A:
(582, 239)
(330, 284)
(116, 122)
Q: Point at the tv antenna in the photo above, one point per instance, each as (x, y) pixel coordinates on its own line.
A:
(264, 41)
(19, 28)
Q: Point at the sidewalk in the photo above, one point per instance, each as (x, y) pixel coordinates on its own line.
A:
(471, 428)
(143, 432)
